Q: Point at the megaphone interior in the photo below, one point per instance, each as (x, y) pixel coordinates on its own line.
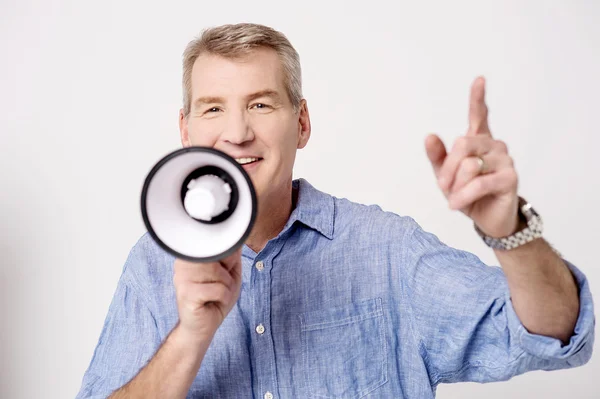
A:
(198, 204)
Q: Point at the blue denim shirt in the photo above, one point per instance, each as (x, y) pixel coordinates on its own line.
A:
(355, 302)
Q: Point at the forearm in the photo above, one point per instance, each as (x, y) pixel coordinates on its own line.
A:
(171, 371)
(544, 293)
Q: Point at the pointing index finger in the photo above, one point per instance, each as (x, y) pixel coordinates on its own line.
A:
(478, 111)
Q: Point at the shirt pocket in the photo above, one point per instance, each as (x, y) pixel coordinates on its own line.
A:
(344, 351)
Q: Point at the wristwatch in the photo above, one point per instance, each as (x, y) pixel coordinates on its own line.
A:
(531, 232)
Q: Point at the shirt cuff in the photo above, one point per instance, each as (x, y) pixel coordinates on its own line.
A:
(579, 349)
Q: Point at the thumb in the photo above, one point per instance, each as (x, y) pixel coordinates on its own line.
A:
(436, 152)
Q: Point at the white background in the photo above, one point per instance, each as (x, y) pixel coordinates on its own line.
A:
(89, 96)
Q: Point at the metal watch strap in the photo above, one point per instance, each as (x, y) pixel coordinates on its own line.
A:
(531, 232)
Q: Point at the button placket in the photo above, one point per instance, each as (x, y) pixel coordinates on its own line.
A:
(267, 385)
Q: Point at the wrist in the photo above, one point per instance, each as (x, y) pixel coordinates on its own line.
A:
(532, 229)
(186, 339)
(519, 224)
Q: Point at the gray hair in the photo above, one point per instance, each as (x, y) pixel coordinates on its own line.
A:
(239, 40)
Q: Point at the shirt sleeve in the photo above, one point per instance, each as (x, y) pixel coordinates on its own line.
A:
(464, 321)
(129, 337)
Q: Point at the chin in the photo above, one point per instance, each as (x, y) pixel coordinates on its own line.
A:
(268, 186)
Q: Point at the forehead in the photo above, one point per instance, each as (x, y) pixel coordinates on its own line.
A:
(214, 75)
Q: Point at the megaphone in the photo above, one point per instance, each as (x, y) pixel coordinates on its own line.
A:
(198, 204)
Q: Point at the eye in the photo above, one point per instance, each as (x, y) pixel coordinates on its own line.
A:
(261, 106)
(213, 109)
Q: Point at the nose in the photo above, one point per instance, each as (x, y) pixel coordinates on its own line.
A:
(237, 129)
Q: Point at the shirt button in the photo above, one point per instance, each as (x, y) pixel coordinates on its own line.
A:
(260, 329)
(268, 395)
(260, 265)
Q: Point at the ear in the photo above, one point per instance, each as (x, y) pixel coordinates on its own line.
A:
(303, 125)
(183, 129)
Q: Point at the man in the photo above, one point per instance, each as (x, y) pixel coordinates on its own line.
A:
(329, 298)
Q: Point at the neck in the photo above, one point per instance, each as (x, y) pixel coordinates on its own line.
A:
(273, 214)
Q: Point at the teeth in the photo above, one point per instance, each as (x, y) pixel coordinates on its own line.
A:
(243, 161)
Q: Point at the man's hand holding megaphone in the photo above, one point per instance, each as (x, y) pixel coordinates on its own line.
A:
(205, 295)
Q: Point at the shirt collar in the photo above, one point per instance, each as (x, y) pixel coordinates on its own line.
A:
(314, 209)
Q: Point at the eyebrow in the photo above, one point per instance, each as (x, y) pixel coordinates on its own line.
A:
(262, 93)
(207, 100)
(265, 93)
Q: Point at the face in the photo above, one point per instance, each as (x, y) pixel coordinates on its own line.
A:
(241, 107)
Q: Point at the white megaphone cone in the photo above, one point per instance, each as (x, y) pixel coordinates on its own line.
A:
(198, 204)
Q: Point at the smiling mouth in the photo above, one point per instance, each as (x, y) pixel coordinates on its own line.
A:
(247, 161)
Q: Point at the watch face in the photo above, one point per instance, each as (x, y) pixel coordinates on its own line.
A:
(527, 209)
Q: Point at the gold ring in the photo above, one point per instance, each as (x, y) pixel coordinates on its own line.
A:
(482, 164)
